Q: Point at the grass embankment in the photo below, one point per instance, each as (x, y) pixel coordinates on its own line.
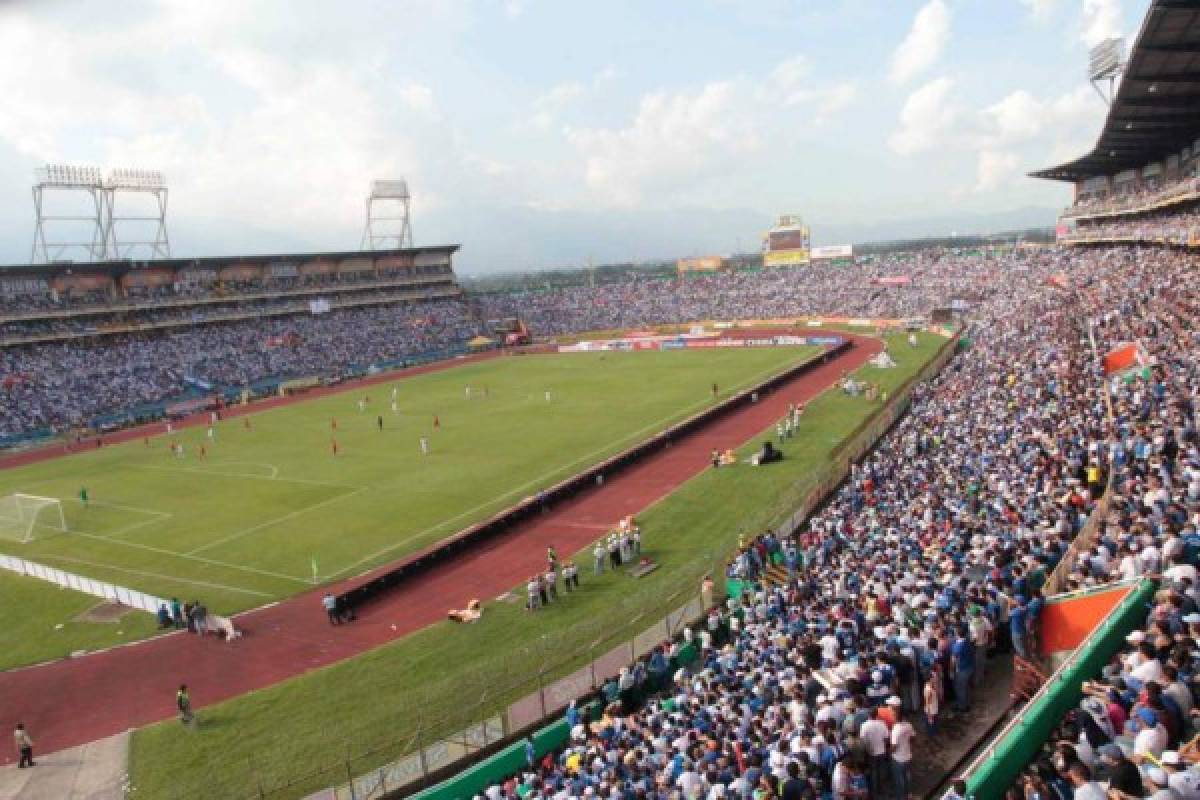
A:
(296, 737)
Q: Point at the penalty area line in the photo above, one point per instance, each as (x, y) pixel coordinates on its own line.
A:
(173, 554)
(145, 574)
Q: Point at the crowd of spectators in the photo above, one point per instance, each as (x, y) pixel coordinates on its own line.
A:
(930, 561)
(45, 299)
(25, 330)
(65, 383)
(1151, 192)
(1172, 227)
(935, 277)
(1134, 733)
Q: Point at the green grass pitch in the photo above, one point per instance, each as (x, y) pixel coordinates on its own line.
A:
(243, 525)
(445, 677)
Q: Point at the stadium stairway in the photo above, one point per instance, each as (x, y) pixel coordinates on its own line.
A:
(776, 575)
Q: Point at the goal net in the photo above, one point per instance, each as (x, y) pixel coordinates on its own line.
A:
(22, 514)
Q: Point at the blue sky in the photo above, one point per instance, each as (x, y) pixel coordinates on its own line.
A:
(541, 132)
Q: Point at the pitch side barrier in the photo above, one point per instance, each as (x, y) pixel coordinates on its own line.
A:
(502, 522)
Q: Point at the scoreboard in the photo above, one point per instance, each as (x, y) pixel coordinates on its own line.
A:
(787, 244)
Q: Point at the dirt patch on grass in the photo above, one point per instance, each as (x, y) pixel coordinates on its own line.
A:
(105, 612)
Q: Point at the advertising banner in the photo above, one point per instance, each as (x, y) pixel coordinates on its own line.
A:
(832, 251)
(699, 264)
(182, 409)
(785, 258)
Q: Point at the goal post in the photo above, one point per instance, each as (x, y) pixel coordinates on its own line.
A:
(21, 515)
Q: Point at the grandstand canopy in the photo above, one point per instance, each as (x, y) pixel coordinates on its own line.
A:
(119, 267)
(1156, 111)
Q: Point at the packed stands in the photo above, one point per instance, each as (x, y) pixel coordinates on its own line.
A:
(1135, 727)
(75, 357)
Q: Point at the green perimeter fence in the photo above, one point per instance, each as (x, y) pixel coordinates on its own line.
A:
(494, 710)
(989, 777)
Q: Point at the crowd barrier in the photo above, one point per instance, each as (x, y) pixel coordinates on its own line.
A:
(500, 523)
(69, 580)
(995, 769)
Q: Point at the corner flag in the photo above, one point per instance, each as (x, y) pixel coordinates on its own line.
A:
(314, 568)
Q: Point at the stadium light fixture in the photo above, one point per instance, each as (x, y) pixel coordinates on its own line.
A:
(1106, 62)
(1152, 88)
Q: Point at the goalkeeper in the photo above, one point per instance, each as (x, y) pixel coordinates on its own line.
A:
(83, 496)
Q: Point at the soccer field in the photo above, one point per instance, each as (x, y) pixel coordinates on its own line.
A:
(247, 523)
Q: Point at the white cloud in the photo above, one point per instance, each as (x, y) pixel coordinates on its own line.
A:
(1022, 131)
(417, 97)
(995, 169)
(924, 43)
(790, 84)
(1101, 19)
(606, 75)
(678, 145)
(290, 143)
(672, 139)
(1019, 117)
(1041, 10)
(926, 120)
(547, 106)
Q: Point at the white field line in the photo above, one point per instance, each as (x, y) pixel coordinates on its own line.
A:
(250, 475)
(155, 516)
(173, 554)
(271, 522)
(144, 574)
(588, 459)
(120, 531)
(134, 509)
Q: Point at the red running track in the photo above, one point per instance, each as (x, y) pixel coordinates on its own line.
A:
(74, 701)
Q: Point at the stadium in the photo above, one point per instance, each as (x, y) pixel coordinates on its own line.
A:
(820, 522)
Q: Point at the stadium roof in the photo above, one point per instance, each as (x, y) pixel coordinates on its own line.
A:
(1157, 108)
(220, 261)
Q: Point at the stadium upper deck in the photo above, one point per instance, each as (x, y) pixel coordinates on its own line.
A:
(1147, 158)
(36, 300)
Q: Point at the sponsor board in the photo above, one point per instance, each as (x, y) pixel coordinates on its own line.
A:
(687, 342)
(833, 251)
(785, 258)
(185, 407)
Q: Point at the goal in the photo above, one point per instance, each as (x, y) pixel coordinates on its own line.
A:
(22, 514)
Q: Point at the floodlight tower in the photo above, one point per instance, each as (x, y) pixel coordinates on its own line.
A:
(1106, 62)
(389, 225)
(65, 236)
(137, 227)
